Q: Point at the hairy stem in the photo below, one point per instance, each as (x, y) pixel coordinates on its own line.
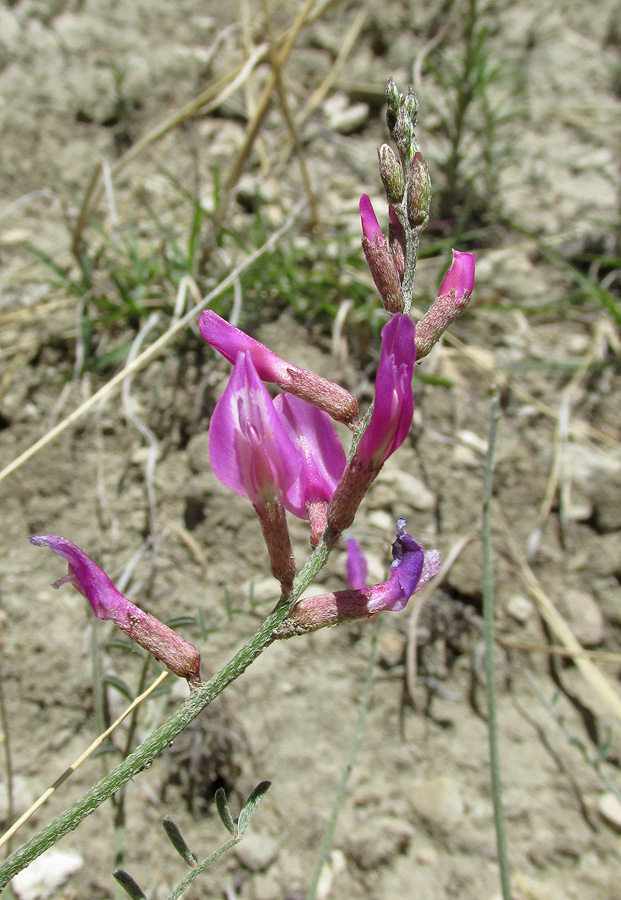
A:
(144, 755)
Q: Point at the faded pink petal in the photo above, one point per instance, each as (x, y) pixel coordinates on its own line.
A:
(460, 276)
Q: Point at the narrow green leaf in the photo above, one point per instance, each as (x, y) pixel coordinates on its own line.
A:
(251, 805)
(176, 839)
(224, 812)
(179, 621)
(129, 885)
(118, 684)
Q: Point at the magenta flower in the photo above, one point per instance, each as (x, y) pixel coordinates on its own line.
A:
(249, 448)
(230, 341)
(459, 278)
(394, 401)
(380, 259)
(92, 582)
(356, 565)
(320, 450)
(411, 568)
(453, 296)
(390, 422)
(251, 453)
(370, 226)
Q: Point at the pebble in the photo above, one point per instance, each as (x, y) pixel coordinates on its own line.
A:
(380, 519)
(343, 117)
(333, 867)
(378, 841)
(409, 489)
(585, 618)
(43, 876)
(23, 797)
(439, 803)
(262, 589)
(520, 608)
(257, 851)
(610, 810)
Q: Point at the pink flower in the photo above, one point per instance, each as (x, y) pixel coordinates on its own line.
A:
(92, 582)
(459, 278)
(230, 341)
(453, 296)
(370, 226)
(249, 448)
(322, 461)
(390, 422)
(251, 453)
(411, 568)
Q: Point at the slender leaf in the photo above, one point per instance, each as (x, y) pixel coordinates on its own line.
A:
(176, 839)
(251, 805)
(224, 812)
(118, 684)
(129, 885)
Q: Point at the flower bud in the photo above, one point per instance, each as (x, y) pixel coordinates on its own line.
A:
(453, 296)
(391, 174)
(379, 259)
(410, 104)
(419, 193)
(393, 103)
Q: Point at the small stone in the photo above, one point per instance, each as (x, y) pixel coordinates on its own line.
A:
(585, 618)
(257, 851)
(380, 519)
(610, 810)
(333, 867)
(427, 856)
(465, 456)
(343, 117)
(520, 608)
(378, 841)
(472, 440)
(43, 876)
(409, 490)
(266, 887)
(23, 797)
(439, 803)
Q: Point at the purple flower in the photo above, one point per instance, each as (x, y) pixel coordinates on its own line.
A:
(411, 568)
(356, 565)
(249, 448)
(390, 422)
(230, 341)
(320, 451)
(92, 582)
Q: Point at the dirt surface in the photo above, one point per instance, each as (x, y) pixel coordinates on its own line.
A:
(80, 82)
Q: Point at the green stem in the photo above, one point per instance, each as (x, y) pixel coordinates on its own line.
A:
(144, 755)
(490, 685)
(196, 871)
(363, 708)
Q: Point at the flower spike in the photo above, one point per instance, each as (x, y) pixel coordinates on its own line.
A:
(411, 568)
(92, 582)
(230, 341)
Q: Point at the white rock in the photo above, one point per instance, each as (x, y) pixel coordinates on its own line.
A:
(409, 489)
(45, 874)
(585, 464)
(23, 796)
(333, 867)
(256, 851)
(610, 810)
(343, 117)
(520, 608)
(439, 802)
(585, 618)
(262, 589)
(472, 440)
(380, 519)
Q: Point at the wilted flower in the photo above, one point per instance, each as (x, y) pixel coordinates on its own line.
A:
(251, 453)
(453, 296)
(390, 422)
(322, 460)
(230, 341)
(92, 582)
(411, 568)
